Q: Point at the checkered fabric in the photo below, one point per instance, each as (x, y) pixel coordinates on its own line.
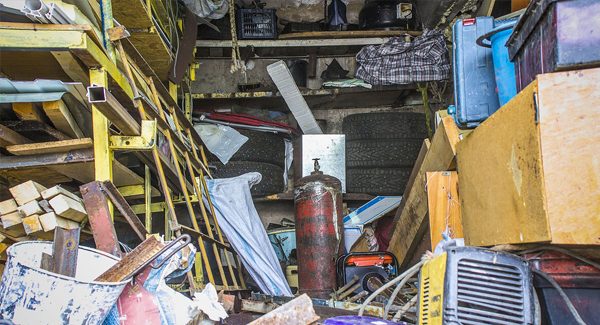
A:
(399, 62)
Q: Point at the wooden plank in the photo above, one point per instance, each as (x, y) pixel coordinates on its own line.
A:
(47, 160)
(30, 208)
(570, 142)
(516, 5)
(410, 222)
(9, 137)
(42, 175)
(10, 220)
(15, 232)
(61, 117)
(298, 311)
(50, 147)
(71, 67)
(444, 206)
(8, 206)
(136, 258)
(36, 130)
(84, 173)
(47, 262)
(26, 192)
(499, 179)
(45, 205)
(348, 34)
(56, 190)
(32, 224)
(64, 251)
(68, 208)
(49, 27)
(50, 221)
(28, 112)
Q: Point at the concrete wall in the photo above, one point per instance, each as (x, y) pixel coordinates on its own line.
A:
(214, 76)
(310, 10)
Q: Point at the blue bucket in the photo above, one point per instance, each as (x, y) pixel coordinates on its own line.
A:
(504, 69)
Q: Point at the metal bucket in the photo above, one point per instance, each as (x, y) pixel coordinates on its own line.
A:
(31, 295)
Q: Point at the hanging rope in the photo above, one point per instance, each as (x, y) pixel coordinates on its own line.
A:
(236, 59)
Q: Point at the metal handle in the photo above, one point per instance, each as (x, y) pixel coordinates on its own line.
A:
(185, 239)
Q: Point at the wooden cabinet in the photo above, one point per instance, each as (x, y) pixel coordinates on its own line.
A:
(531, 172)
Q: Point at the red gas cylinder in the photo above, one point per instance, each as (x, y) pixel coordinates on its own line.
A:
(319, 232)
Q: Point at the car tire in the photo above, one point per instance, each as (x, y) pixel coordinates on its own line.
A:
(377, 181)
(272, 176)
(382, 153)
(385, 125)
(263, 147)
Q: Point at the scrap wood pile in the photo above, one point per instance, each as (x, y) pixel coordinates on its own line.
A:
(35, 211)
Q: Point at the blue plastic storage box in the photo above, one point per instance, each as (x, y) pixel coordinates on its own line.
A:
(475, 94)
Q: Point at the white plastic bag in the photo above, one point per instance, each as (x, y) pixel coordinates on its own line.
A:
(208, 8)
(223, 141)
(240, 222)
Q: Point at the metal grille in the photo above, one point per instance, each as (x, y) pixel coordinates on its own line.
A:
(490, 293)
(425, 302)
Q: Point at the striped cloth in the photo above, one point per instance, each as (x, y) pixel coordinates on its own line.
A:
(400, 62)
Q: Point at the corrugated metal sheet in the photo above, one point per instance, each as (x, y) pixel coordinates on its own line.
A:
(40, 90)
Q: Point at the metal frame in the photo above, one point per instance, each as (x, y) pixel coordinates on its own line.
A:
(156, 108)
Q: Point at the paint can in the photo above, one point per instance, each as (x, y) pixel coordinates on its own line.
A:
(32, 295)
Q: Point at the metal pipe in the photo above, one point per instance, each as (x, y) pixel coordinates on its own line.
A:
(346, 286)
(110, 107)
(349, 291)
(387, 285)
(358, 296)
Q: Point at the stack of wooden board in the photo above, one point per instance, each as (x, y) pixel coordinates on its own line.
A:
(35, 210)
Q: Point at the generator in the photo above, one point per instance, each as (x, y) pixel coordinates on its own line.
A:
(468, 285)
(369, 268)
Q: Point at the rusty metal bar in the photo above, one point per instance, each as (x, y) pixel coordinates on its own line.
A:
(121, 204)
(64, 251)
(101, 223)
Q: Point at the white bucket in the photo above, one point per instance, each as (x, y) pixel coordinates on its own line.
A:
(31, 295)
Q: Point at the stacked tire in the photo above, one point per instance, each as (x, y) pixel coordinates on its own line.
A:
(264, 152)
(381, 149)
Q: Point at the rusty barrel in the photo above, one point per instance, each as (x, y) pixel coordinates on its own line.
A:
(319, 232)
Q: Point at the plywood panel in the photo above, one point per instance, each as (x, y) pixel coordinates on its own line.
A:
(411, 221)
(444, 206)
(500, 168)
(49, 147)
(570, 139)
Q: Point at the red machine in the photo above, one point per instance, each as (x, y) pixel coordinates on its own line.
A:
(319, 232)
(580, 282)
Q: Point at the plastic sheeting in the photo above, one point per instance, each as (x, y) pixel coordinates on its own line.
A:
(208, 8)
(221, 140)
(163, 305)
(240, 222)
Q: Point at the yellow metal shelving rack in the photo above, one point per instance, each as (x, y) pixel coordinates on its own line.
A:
(113, 96)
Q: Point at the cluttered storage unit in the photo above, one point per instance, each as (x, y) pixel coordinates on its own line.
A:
(299, 162)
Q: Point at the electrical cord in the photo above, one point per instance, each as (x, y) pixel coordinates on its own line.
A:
(387, 285)
(405, 308)
(561, 250)
(563, 295)
(396, 291)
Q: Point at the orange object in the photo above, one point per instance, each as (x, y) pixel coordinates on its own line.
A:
(444, 206)
(518, 5)
(369, 260)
